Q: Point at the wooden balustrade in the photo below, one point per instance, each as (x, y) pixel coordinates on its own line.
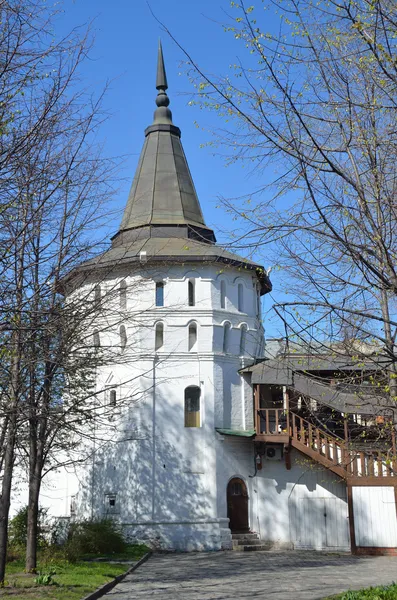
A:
(336, 451)
(272, 421)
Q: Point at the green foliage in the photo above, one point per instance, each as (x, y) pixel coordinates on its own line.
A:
(94, 538)
(71, 582)
(18, 529)
(382, 592)
(45, 577)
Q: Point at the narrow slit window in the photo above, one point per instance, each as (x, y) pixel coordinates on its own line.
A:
(97, 294)
(243, 339)
(226, 337)
(223, 294)
(123, 337)
(97, 339)
(192, 406)
(240, 292)
(159, 293)
(192, 336)
(191, 292)
(159, 337)
(123, 295)
(112, 397)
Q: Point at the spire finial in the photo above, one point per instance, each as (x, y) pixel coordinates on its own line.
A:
(162, 114)
(161, 80)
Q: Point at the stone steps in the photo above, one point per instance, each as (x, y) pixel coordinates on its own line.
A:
(248, 542)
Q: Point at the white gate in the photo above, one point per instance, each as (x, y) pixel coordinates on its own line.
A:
(322, 523)
(375, 521)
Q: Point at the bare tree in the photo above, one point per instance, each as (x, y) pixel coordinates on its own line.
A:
(315, 103)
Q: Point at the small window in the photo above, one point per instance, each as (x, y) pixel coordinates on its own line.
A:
(192, 336)
(226, 337)
(97, 340)
(192, 406)
(123, 337)
(111, 504)
(243, 339)
(258, 302)
(159, 341)
(191, 292)
(240, 292)
(159, 293)
(123, 295)
(223, 294)
(112, 397)
(73, 505)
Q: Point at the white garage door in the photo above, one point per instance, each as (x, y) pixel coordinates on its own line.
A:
(322, 523)
(375, 521)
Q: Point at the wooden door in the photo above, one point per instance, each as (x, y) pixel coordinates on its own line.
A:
(237, 505)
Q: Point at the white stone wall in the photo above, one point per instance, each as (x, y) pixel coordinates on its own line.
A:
(168, 481)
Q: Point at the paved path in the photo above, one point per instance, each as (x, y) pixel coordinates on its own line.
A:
(252, 575)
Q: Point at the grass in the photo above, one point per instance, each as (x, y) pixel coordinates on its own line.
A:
(382, 592)
(72, 581)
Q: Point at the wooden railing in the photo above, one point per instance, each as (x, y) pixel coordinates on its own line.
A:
(336, 452)
(272, 421)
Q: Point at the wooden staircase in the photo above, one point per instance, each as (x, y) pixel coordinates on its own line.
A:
(358, 467)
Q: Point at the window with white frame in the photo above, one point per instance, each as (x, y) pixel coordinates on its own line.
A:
(159, 336)
(123, 295)
(192, 406)
(111, 396)
(240, 298)
(192, 335)
(111, 504)
(160, 293)
(226, 337)
(223, 294)
(97, 294)
(96, 339)
(243, 339)
(191, 292)
(123, 337)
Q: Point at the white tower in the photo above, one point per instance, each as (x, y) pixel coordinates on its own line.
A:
(186, 319)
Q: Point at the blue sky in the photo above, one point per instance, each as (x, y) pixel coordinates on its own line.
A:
(125, 53)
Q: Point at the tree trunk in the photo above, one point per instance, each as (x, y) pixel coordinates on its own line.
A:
(32, 525)
(9, 456)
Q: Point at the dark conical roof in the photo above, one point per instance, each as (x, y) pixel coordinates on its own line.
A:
(163, 192)
(163, 222)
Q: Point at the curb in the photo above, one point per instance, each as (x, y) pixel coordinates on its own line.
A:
(106, 587)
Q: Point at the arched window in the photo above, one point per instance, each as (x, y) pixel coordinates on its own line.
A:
(192, 406)
(223, 294)
(192, 336)
(243, 339)
(240, 292)
(160, 293)
(226, 337)
(97, 294)
(258, 302)
(97, 340)
(123, 295)
(191, 292)
(123, 337)
(159, 341)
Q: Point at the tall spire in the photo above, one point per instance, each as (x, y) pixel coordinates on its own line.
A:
(163, 201)
(162, 114)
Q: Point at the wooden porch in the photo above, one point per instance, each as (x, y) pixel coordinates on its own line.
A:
(365, 466)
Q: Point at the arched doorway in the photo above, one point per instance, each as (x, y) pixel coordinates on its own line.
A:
(237, 505)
